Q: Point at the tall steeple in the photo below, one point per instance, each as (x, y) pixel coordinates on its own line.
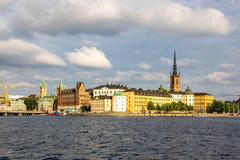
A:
(175, 77)
(174, 64)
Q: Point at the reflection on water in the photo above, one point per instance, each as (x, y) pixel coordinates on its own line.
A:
(119, 138)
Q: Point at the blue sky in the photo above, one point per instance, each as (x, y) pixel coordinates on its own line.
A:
(126, 41)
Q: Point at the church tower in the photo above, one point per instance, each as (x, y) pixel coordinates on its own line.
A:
(175, 77)
(43, 89)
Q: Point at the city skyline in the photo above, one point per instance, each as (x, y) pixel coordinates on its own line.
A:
(126, 42)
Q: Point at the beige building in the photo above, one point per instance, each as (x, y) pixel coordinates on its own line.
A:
(101, 104)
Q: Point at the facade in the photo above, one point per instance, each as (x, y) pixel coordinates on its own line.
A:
(175, 77)
(43, 89)
(46, 104)
(108, 90)
(101, 104)
(177, 97)
(71, 100)
(202, 101)
(119, 102)
(188, 97)
(17, 105)
(137, 100)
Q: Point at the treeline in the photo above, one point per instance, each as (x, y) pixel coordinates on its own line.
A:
(169, 107)
(223, 107)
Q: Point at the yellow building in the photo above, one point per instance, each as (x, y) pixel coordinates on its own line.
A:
(202, 101)
(137, 100)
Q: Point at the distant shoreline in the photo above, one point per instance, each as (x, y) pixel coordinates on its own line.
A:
(209, 115)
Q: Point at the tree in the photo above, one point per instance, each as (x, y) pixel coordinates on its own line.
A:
(150, 106)
(217, 106)
(86, 108)
(31, 103)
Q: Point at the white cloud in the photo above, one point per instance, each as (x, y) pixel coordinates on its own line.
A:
(184, 62)
(89, 57)
(16, 52)
(131, 76)
(25, 85)
(4, 3)
(108, 17)
(221, 78)
(144, 66)
(44, 77)
(227, 66)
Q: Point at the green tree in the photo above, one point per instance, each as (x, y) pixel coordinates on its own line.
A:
(31, 104)
(150, 106)
(217, 106)
(86, 108)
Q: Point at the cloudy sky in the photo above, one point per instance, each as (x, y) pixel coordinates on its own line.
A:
(126, 41)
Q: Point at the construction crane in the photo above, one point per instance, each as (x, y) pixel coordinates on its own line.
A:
(6, 88)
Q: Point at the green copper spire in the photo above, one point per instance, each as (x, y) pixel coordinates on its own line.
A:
(43, 84)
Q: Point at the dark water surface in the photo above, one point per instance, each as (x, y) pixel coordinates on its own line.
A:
(119, 138)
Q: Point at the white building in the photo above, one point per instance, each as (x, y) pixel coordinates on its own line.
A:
(119, 102)
(177, 97)
(108, 90)
(17, 105)
(186, 97)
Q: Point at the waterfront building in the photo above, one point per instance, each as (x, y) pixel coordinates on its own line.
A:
(46, 104)
(202, 101)
(175, 86)
(177, 97)
(71, 100)
(17, 105)
(137, 99)
(108, 90)
(101, 104)
(188, 97)
(119, 102)
(43, 89)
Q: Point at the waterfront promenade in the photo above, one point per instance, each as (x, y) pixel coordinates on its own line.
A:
(226, 115)
(20, 113)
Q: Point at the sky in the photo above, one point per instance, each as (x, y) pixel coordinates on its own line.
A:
(129, 42)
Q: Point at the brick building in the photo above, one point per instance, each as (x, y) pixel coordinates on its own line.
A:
(71, 100)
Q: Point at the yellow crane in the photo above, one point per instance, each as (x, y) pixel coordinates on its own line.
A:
(6, 88)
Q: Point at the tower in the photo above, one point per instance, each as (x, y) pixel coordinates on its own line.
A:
(60, 87)
(43, 89)
(174, 76)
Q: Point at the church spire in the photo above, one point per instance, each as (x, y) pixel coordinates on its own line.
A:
(174, 64)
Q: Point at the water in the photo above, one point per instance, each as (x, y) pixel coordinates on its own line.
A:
(119, 138)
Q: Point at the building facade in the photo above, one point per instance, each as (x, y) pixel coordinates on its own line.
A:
(137, 100)
(18, 105)
(101, 104)
(202, 101)
(119, 102)
(108, 90)
(43, 89)
(71, 100)
(46, 104)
